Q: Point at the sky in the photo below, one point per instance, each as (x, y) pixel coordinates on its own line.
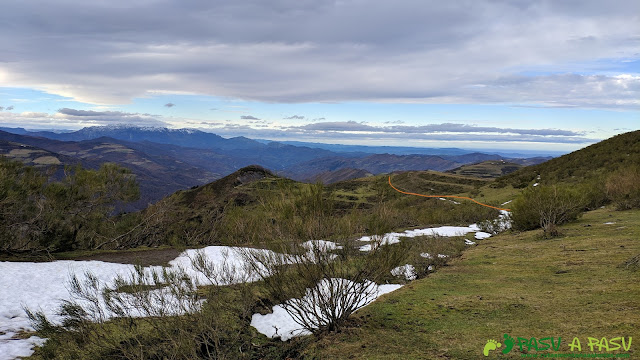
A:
(513, 74)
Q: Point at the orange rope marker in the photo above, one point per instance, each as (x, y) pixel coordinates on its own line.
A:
(444, 196)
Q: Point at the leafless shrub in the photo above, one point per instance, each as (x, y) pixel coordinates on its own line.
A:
(320, 287)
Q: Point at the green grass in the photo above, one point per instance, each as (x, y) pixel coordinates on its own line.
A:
(571, 286)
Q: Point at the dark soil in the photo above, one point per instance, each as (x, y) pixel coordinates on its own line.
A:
(144, 257)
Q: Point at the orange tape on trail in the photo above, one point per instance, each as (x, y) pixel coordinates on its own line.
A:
(444, 196)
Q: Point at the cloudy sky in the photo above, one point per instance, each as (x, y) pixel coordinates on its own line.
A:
(512, 74)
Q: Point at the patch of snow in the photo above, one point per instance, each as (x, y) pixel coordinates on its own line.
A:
(317, 248)
(322, 245)
(481, 235)
(469, 242)
(449, 200)
(430, 268)
(42, 286)
(408, 272)
(609, 223)
(426, 255)
(15, 348)
(442, 256)
(536, 184)
(505, 203)
(392, 238)
(386, 239)
(505, 220)
(229, 259)
(280, 324)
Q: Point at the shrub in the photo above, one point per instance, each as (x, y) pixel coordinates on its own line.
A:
(623, 188)
(547, 207)
(37, 213)
(319, 286)
(157, 314)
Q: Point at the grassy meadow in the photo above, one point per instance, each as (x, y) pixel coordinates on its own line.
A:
(576, 285)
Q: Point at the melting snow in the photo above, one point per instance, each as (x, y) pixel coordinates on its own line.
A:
(453, 201)
(392, 238)
(408, 272)
(43, 286)
(280, 323)
(322, 245)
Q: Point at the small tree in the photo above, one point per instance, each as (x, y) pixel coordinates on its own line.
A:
(546, 207)
(22, 206)
(79, 204)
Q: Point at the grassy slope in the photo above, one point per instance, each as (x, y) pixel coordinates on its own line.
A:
(486, 169)
(512, 283)
(596, 160)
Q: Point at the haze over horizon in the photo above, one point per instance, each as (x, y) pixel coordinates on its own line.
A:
(508, 75)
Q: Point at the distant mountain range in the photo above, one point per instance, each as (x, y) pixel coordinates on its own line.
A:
(166, 160)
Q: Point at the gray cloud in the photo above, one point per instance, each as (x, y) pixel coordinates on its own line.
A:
(92, 118)
(1, 108)
(349, 134)
(470, 51)
(9, 108)
(75, 112)
(248, 117)
(169, 105)
(295, 117)
(339, 126)
(353, 126)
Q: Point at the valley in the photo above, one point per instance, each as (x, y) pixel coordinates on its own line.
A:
(455, 285)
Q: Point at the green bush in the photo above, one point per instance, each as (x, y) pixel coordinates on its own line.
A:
(547, 207)
(38, 213)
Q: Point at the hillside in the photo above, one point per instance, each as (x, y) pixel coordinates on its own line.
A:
(486, 169)
(475, 289)
(375, 164)
(591, 162)
(237, 150)
(157, 174)
(574, 286)
(33, 156)
(181, 137)
(301, 161)
(254, 206)
(330, 177)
